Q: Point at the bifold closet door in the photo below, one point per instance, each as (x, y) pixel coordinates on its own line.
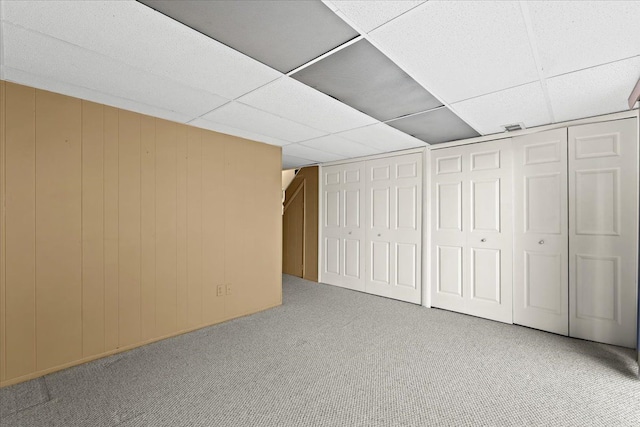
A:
(472, 230)
(603, 231)
(541, 243)
(449, 228)
(343, 229)
(393, 235)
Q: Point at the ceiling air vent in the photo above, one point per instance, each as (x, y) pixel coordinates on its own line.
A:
(513, 127)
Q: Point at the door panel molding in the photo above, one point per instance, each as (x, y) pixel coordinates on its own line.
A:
(471, 238)
(372, 232)
(540, 238)
(603, 238)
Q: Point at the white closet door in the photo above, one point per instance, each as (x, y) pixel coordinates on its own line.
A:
(343, 226)
(448, 230)
(603, 231)
(472, 235)
(490, 236)
(541, 242)
(393, 221)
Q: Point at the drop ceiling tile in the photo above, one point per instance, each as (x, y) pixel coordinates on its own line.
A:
(241, 133)
(435, 127)
(382, 137)
(290, 162)
(280, 33)
(591, 33)
(242, 116)
(340, 146)
(162, 46)
(373, 13)
(50, 58)
(594, 91)
(361, 76)
(69, 89)
(459, 49)
(310, 153)
(296, 101)
(523, 104)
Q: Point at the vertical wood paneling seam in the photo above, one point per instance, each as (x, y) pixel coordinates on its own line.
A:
(185, 211)
(200, 132)
(224, 228)
(81, 228)
(104, 239)
(3, 227)
(202, 278)
(155, 226)
(140, 337)
(117, 245)
(104, 269)
(175, 145)
(35, 228)
(140, 226)
(187, 229)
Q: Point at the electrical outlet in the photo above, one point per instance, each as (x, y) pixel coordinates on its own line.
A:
(228, 289)
(220, 290)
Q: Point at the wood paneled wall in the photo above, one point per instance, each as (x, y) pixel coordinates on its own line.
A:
(309, 178)
(119, 228)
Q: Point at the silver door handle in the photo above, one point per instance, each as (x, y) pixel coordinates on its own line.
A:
(349, 232)
(541, 242)
(483, 240)
(379, 234)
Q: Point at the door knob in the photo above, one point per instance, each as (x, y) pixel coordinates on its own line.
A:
(349, 232)
(541, 242)
(379, 234)
(483, 240)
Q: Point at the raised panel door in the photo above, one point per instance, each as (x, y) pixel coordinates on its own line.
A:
(471, 234)
(603, 232)
(393, 227)
(488, 279)
(342, 238)
(449, 229)
(540, 263)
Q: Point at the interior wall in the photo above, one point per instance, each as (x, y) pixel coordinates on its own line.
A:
(308, 177)
(119, 229)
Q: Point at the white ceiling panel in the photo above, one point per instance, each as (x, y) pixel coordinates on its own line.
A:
(290, 162)
(475, 56)
(340, 146)
(305, 152)
(283, 34)
(573, 35)
(382, 137)
(296, 101)
(241, 133)
(459, 50)
(593, 91)
(69, 89)
(51, 58)
(373, 13)
(145, 39)
(487, 113)
(242, 116)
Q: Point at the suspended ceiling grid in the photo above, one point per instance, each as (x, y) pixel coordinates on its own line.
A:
(334, 79)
